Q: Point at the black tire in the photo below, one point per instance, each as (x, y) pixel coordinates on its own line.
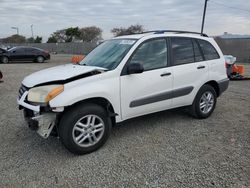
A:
(40, 59)
(5, 60)
(195, 109)
(72, 116)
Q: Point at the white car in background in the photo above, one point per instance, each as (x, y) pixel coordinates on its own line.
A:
(123, 78)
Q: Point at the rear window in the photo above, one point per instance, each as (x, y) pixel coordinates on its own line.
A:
(208, 50)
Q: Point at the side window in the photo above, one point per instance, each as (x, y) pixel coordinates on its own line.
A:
(197, 53)
(18, 50)
(208, 50)
(182, 49)
(31, 51)
(151, 54)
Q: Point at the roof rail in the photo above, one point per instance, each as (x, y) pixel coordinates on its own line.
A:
(175, 31)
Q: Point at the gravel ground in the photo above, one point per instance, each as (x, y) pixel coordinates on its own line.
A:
(166, 149)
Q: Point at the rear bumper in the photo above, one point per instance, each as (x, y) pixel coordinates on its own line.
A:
(223, 85)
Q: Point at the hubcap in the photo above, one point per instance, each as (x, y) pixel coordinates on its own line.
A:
(5, 60)
(40, 59)
(88, 130)
(207, 102)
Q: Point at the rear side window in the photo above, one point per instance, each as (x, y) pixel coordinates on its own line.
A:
(31, 50)
(183, 51)
(208, 50)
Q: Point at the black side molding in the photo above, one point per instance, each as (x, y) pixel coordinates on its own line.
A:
(162, 96)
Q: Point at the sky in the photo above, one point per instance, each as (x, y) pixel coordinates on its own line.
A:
(48, 16)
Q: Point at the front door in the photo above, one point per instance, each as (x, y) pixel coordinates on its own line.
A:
(149, 91)
(17, 54)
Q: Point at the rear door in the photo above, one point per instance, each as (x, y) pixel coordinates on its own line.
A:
(189, 69)
(149, 91)
(216, 64)
(31, 53)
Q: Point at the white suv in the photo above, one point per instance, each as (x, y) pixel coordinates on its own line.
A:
(123, 78)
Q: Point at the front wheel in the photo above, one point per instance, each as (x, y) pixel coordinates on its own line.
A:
(204, 102)
(5, 60)
(84, 128)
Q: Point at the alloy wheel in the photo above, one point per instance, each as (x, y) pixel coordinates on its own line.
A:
(206, 102)
(88, 130)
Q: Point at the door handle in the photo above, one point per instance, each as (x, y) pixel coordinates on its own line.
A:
(201, 67)
(166, 74)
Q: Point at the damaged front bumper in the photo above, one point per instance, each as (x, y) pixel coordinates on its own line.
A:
(42, 122)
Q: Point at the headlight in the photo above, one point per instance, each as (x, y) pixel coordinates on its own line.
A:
(44, 94)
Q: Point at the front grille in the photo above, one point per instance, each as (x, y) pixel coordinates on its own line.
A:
(22, 91)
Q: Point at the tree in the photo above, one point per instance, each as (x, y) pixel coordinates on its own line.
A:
(38, 39)
(14, 39)
(91, 34)
(85, 34)
(52, 39)
(30, 40)
(133, 29)
(72, 33)
(60, 35)
(65, 35)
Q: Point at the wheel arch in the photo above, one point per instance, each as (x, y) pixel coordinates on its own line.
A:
(215, 85)
(101, 101)
(4, 56)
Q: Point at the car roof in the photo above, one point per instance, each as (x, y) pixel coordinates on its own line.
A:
(164, 33)
(30, 47)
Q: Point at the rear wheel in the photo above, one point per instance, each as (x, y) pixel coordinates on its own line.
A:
(84, 128)
(5, 60)
(40, 59)
(204, 103)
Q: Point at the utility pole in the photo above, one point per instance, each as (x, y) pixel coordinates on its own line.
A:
(31, 27)
(17, 30)
(204, 15)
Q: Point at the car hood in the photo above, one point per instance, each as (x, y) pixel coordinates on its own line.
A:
(60, 74)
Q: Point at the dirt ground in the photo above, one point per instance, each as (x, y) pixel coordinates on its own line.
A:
(166, 149)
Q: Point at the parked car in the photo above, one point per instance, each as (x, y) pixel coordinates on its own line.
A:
(24, 53)
(123, 78)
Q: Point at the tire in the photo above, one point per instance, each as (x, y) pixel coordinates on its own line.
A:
(40, 59)
(76, 133)
(5, 60)
(204, 102)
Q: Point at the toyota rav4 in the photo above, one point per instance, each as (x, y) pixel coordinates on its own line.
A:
(123, 78)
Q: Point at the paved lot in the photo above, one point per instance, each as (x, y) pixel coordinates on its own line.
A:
(167, 149)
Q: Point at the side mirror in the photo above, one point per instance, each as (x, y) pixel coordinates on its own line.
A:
(135, 68)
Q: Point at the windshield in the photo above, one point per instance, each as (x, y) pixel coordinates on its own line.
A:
(108, 54)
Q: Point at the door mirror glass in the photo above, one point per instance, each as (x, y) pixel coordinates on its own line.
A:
(135, 68)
